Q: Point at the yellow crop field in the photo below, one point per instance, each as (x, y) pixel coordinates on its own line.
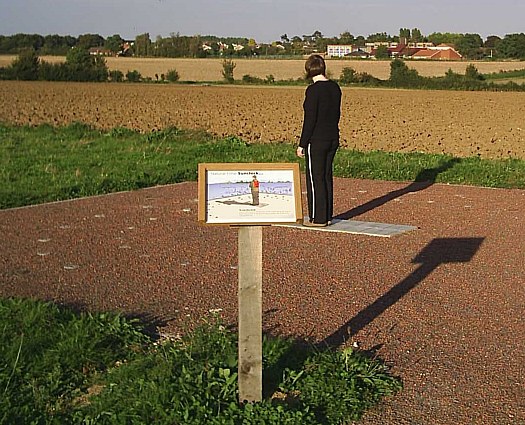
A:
(211, 69)
(485, 124)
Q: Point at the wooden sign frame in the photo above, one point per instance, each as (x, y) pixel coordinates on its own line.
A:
(226, 196)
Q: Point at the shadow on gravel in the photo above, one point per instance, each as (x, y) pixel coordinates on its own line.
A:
(424, 179)
(437, 252)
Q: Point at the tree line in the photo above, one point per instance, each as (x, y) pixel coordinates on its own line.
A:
(471, 46)
(401, 76)
(80, 65)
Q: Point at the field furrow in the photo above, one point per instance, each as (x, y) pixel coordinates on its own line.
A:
(487, 124)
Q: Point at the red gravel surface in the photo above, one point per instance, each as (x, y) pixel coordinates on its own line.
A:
(443, 305)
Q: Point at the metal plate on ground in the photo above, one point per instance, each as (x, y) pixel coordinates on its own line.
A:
(356, 227)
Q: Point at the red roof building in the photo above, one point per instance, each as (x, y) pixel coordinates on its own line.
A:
(441, 52)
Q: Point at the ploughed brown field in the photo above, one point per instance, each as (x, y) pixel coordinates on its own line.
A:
(486, 124)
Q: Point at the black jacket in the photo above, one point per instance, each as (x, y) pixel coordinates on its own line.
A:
(322, 110)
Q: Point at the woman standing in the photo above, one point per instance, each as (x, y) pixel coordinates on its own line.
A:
(319, 141)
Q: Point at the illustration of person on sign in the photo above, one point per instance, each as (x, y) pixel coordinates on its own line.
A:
(254, 187)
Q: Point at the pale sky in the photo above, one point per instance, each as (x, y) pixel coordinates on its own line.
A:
(263, 20)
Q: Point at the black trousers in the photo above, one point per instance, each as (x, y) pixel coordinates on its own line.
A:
(319, 158)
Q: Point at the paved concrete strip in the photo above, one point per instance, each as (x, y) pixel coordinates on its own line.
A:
(355, 227)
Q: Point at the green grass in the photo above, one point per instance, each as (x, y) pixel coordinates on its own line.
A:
(45, 163)
(506, 77)
(518, 73)
(62, 367)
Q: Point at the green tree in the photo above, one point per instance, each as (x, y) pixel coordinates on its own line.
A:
(57, 45)
(382, 52)
(81, 66)
(416, 36)
(447, 38)
(53, 71)
(404, 35)
(297, 45)
(360, 41)
(472, 73)
(346, 38)
(87, 41)
(470, 46)
(114, 43)
(316, 36)
(143, 45)
(348, 76)
(512, 46)
(490, 46)
(401, 75)
(26, 66)
(492, 42)
(14, 44)
(378, 37)
(194, 46)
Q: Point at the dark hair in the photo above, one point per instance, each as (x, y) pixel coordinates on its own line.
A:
(315, 66)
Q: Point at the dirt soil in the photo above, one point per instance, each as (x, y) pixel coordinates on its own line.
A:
(489, 125)
(443, 304)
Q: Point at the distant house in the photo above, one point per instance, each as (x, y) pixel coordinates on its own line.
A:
(126, 48)
(423, 50)
(359, 53)
(100, 51)
(338, 50)
(441, 52)
(425, 54)
(397, 51)
(372, 47)
(419, 51)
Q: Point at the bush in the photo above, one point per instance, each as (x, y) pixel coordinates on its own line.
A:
(228, 66)
(472, 73)
(133, 76)
(249, 79)
(367, 79)
(172, 76)
(26, 66)
(82, 66)
(79, 66)
(53, 72)
(116, 76)
(348, 76)
(402, 76)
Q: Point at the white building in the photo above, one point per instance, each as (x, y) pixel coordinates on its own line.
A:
(339, 50)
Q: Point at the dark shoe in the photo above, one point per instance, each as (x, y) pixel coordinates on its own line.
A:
(312, 224)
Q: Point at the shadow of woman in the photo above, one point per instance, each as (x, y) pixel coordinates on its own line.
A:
(424, 179)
